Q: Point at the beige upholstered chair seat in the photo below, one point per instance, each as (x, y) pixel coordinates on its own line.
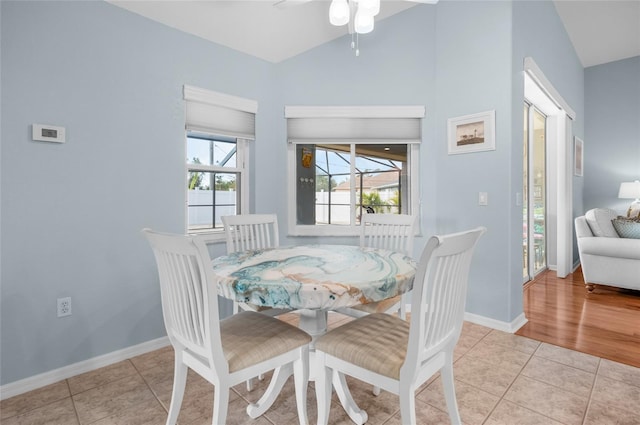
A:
(249, 338)
(377, 342)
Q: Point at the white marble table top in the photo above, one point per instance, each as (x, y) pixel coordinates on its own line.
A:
(313, 277)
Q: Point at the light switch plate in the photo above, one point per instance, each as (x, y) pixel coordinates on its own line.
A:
(48, 133)
(483, 198)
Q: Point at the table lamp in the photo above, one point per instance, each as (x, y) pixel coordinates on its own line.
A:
(631, 190)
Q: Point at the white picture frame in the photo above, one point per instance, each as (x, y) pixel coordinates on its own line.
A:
(472, 133)
(578, 157)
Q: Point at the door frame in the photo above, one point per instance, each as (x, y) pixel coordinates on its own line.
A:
(558, 130)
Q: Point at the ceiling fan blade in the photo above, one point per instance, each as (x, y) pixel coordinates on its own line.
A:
(283, 4)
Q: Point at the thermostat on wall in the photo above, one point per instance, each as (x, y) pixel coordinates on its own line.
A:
(48, 133)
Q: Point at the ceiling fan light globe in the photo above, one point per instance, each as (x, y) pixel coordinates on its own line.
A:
(363, 22)
(339, 12)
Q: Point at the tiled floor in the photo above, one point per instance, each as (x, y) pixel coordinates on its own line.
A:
(500, 379)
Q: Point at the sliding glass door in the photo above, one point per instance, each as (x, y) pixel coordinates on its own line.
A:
(534, 211)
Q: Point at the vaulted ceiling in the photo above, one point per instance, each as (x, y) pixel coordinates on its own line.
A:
(601, 30)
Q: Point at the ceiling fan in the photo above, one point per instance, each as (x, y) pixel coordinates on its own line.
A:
(357, 14)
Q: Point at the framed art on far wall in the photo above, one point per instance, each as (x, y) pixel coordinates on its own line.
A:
(578, 156)
(472, 133)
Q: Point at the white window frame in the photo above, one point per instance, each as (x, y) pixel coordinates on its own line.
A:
(223, 116)
(242, 158)
(357, 112)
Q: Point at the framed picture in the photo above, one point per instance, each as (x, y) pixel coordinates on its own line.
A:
(578, 156)
(472, 133)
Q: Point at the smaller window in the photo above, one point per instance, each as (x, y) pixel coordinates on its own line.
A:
(215, 172)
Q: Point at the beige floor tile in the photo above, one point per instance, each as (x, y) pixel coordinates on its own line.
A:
(425, 414)
(236, 415)
(554, 386)
(198, 400)
(545, 399)
(285, 409)
(237, 420)
(146, 413)
(337, 416)
(601, 413)
(109, 399)
(492, 378)
(160, 381)
(32, 400)
(104, 375)
(617, 394)
(474, 404)
(562, 355)
(379, 408)
(513, 341)
(161, 357)
(475, 330)
(291, 318)
(562, 376)
(620, 372)
(507, 413)
(498, 355)
(335, 320)
(259, 387)
(464, 345)
(59, 412)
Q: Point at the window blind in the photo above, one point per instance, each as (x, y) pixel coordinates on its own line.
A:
(218, 113)
(374, 124)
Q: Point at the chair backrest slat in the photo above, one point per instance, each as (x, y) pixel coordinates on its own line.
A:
(189, 295)
(388, 231)
(439, 295)
(251, 231)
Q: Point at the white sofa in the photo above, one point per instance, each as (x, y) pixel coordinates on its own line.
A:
(606, 258)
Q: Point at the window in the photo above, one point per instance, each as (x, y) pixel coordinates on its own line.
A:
(350, 161)
(214, 176)
(219, 128)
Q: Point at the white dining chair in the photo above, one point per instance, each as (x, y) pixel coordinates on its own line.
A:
(251, 231)
(397, 355)
(224, 352)
(393, 232)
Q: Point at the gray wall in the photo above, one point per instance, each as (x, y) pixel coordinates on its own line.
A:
(612, 143)
(72, 213)
(114, 80)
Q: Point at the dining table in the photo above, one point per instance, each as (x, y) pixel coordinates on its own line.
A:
(313, 280)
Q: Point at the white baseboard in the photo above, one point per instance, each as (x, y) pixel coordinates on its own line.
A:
(47, 378)
(575, 267)
(499, 325)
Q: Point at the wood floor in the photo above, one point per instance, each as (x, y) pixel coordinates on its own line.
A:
(605, 323)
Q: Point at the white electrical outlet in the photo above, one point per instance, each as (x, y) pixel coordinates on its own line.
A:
(64, 306)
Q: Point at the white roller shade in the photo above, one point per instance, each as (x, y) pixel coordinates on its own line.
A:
(375, 124)
(218, 113)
